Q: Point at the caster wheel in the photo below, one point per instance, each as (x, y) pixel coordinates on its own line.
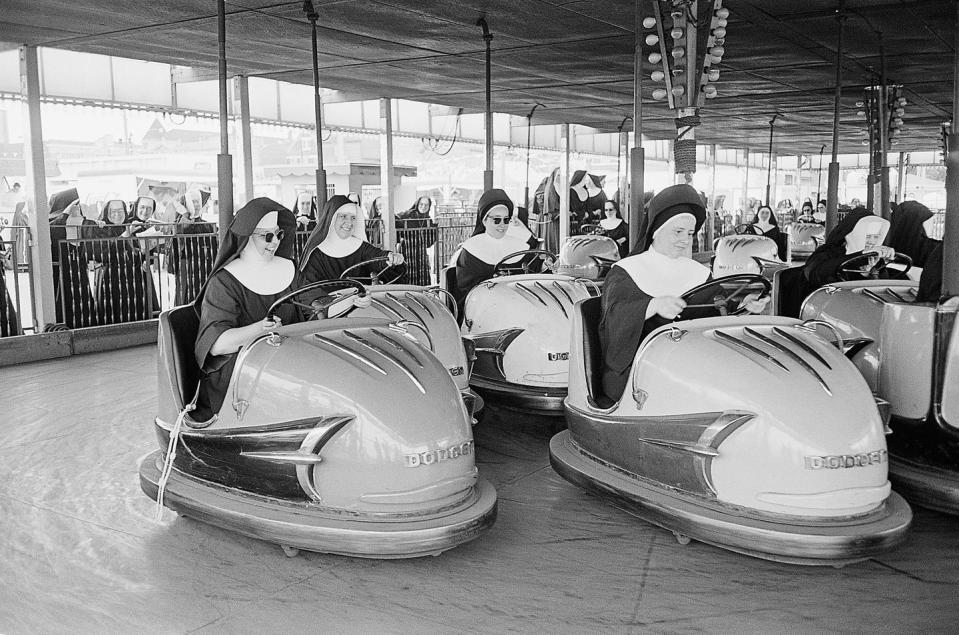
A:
(291, 552)
(682, 539)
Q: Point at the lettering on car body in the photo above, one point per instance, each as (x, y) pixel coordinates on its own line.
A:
(843, 461)
(558, 357)
(443, 454)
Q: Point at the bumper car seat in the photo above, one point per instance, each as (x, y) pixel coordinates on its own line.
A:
(178, 330)
(590, 312)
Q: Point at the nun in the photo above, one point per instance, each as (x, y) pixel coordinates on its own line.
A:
(305, 212)
(857, 233)
(642, 292)
(765, 224)
(253, 268)
(490, 243)
(860, 232)
(338, 242)
(68, 226)
(415, 234)
(614, 227)
(909, 232)
(191, 253)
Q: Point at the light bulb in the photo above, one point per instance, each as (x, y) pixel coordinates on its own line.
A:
(678, 52)
(710, 91)
(652, 40)
(713, 75)
(860, 113)
(719, 32)
(901, 101)
(655, 58)
(717, 51)
(659, 94)
(679, 91)
(721, 22)
(722, 13)
(649, 22)
(657, 76)
(677, 33)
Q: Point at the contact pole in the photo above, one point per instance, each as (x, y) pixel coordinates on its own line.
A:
(950, 235)
(312, 16)
(637, 154)
(832, 184)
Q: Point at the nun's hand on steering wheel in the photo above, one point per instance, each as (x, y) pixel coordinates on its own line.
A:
(507, 268)
(666, 306)
(884, 252)
(319, 307)
(395, 258)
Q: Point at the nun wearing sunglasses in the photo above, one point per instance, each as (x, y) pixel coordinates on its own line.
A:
(491, 242)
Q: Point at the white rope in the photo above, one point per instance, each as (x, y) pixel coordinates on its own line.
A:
(170, 455)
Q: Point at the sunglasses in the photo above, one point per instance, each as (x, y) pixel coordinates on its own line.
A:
(270, 236)
(496, 220)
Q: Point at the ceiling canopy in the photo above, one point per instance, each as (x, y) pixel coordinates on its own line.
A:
(573, 57)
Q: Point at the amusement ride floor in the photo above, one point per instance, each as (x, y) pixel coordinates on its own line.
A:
(80, 551)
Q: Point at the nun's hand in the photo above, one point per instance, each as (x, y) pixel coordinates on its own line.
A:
(303, 220)
(395, 258)
(362, 301)
(269, 325)
(754, 303)
(884, 252)
(667, 306)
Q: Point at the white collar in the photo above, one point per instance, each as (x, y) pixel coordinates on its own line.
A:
(657, 274)
(336, 247)
(261, 276)
(492, 250)
(610, 224)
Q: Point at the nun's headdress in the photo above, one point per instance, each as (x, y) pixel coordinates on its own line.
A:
(105, 213)
(60, 201)
(850, 234)
(488, 201)
(670, 202)
(907, 234)
(323, 235)
(241, 228)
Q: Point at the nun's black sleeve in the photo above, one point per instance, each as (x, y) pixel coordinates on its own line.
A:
(930, 282)
(621, 328)
(823, 266)
(470, 271)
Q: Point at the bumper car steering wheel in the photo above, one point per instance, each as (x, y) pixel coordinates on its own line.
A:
(870, 266)
(375, 276)
(503, 268)
(319, 307)
(723, 296)
(591, 229)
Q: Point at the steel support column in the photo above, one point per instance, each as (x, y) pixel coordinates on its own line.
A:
(564, 188)
(950, 235)
(242, 89)
(637, 160)
(224, 162)
(44, 305)
(387, 184)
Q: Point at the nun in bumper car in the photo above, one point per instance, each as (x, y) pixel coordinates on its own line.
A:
(339, 242)
(860, 232)
(252, 270)
(642, 292)
(491, 241)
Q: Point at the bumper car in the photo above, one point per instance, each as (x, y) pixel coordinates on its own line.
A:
(518, 326)
(428, 313)
(803, 239)
(343, 436)
(589, 255)
(908, 353)
(754, 434)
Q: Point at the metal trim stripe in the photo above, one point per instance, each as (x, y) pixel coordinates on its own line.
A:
(412, 298)
(388, 355)
(353, 356)
(734, 342)
(791, 353)
(801, 344)
(562, 307)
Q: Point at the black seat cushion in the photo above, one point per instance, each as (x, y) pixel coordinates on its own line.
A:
(591, 312)
(178, 330)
